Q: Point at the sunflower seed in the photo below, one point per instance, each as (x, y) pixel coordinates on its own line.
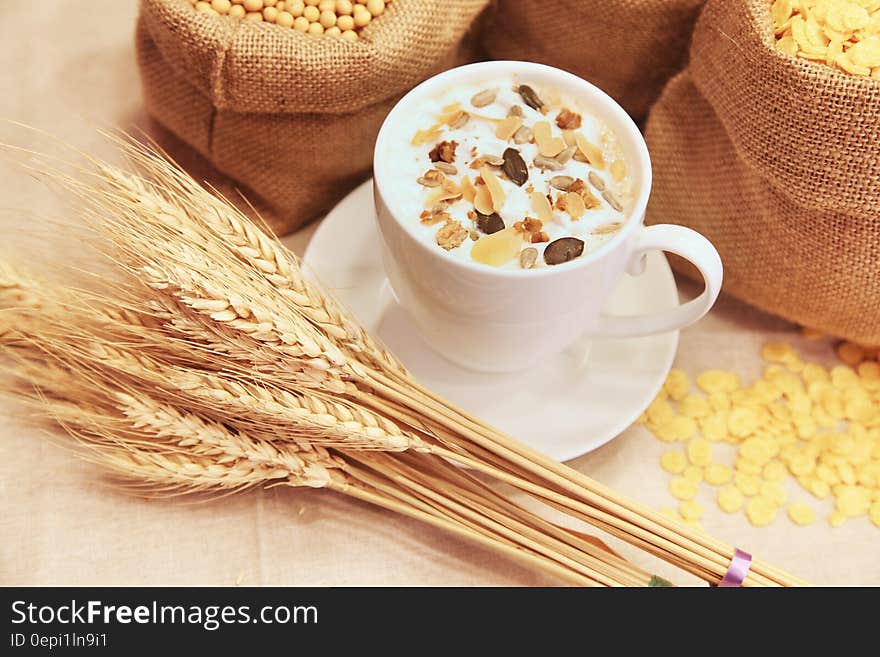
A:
(523, 136)
(596, 181)
(460, 120)
(565, 155)
(432, 178)
(612, 200)
(548, 163)
(445, 167)
(528, 257)
(563, 250)
(562, 183)
(483, 98)
(489, 223)
(515, 167)
(491, 160)
(529, 97)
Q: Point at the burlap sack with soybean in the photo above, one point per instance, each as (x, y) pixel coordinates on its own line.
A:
(627, 48)
(777, 161)
(290, 117)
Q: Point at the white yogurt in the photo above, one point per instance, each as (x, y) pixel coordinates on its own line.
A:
(477, 137)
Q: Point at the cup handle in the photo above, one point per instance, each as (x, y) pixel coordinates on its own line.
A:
(688, 244)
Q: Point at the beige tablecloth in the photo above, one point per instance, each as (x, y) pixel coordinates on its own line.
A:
(68, 67)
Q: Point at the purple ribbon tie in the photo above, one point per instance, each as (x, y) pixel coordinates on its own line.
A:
(739, 568)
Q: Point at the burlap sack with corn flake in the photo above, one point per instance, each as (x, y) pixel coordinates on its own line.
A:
(777, 161)
(291, 117)
(628, 48)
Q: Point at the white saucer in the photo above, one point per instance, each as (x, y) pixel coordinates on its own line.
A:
(571, 405)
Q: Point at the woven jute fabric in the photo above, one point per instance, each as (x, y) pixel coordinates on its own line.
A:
(777, 161)
(291, 117)
(628, 48)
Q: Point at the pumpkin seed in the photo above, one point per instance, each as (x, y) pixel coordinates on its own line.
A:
(565, 155)
(528, 257)
(524, 135)
(473, 234)
(612, 200)
(563, 250)
(529, 97)
(515, 167)
(489, 223)
(562, 183)
(596, 181)
(445, 167)
(548, 163)
(483, 98)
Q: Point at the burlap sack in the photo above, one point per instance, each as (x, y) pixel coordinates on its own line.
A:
(291, 117)
(777, 161)
(628, 48)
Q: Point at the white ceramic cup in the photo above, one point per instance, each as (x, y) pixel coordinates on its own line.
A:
(501, 320)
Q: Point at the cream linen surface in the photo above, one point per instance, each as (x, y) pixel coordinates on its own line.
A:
(71, 71)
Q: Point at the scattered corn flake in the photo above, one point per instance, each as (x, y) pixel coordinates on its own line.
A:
(699, 452)
(683, 489)
(775, 471)
(660, 411)
(695, 407)
(837, 519)
(673, 462)
(775, 491)
(761, 511)
(801, 514)
(690, 510)
(679, 428)
(718, 381)
(748, 484)
(717, 474)
(714, 427)
(853, 501)
(730, 499)
(742, 422)
(677, 384)
(693, 473)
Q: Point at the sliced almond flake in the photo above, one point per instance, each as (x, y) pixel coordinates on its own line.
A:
(589, 151)
(568, 137)
(605, 229)
(449, 113)
(483, 200)
(495, 190)
(467, 189)
(574, 205)
(424, 136)
(449, 190)
(618, 170)
(541, 206)
(507, 127)
(548, 145)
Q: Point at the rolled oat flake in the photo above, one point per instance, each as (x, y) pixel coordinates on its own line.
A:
(563, 250)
